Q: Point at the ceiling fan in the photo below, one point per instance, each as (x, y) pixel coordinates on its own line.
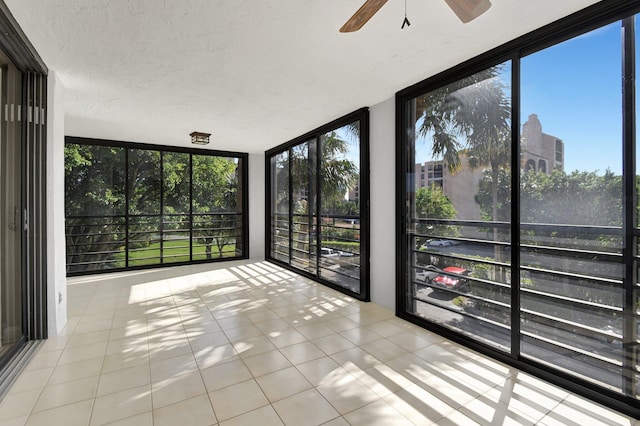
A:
(466, 10)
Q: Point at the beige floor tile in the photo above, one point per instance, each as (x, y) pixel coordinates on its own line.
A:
(409, 341)
(169, 348)
(121, 361)
(18, 421)
(82, 353)
(384, 350)
(315, 331)
(283, 383)
(120, 380)
(377, 413)
(341, 324)
(237, 399)
(355, 359)
(32, 379)
(223, 375)
(73, 414)
(286, 337)
(208, 340)
(382, 379)
(266, 363)
(121, 405)
(253, 346)
(272, 325)
(421, 406)
(18, 404)
(360, 336)
(302, 352)
(135, 344)
(263, 416)
(209, 357)
(143, 419)
(44, 359)
(195, 411)
(66, 393)
(347, 394)
(242, 333)
(576, 410)
(77, 370)
(333, 343)
(176, 366)
(340, 421)
(88, 338)
(322, 370)
(294, 410)
(176, 389)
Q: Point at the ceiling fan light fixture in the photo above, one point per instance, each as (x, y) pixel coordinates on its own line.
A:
(468, 10)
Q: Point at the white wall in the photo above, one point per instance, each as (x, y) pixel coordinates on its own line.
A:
(383, 203)
(256, 206)
(56, 271)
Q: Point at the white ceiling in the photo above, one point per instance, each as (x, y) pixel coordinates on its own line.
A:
(255, 73)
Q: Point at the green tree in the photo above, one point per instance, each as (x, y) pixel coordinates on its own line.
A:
(215, 202)
(432, 203)
(94, 205)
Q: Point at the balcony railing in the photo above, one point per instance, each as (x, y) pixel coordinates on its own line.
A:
(99, 243)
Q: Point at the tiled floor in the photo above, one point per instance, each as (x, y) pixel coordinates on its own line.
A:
(251, 344)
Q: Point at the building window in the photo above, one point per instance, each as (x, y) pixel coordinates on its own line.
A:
(131, 206)
(548, 283)
(542, 166)
(530, 166)
(559, 151)
(325, 234)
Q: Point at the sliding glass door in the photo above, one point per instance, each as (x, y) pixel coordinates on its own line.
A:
(318, 204)
(11, 222)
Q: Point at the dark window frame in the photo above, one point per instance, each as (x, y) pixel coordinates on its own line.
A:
(362, 116)
(243, 159)
(591, 18)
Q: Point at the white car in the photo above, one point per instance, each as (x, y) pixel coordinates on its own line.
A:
(439, 243)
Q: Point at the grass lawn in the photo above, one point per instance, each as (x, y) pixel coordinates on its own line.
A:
(173, 251)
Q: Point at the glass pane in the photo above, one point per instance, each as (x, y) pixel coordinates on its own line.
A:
(217, 207)
(340, 210)
(176, 192)
(459, 198)
(11, 302)
(94, 207)
(303, 178)
(571, 207)
(280, 206)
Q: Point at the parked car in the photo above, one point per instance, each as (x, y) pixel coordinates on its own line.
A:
(329, 252)
(452, 279)
(438, 243)
(426, 274)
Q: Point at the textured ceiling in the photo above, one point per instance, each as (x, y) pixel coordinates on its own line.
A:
(254, 73)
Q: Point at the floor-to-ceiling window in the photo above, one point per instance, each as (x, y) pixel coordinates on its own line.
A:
(11, 306)
(317, 204)
(525, 246)
(131, 205)
(23, 242)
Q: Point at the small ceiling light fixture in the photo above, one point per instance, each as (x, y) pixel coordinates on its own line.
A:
(200, 138)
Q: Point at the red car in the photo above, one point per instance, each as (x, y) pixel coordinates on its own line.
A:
(453, 280)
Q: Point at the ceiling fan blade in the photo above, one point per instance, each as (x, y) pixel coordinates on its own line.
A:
(366, 11)
(468, 10)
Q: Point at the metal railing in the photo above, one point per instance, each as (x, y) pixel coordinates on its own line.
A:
(99, 243)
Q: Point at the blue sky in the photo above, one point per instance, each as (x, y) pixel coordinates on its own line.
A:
(575, 88)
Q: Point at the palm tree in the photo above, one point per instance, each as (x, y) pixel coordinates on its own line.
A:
(472, 117)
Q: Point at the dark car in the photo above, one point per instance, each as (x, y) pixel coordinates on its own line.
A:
(453, 278)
